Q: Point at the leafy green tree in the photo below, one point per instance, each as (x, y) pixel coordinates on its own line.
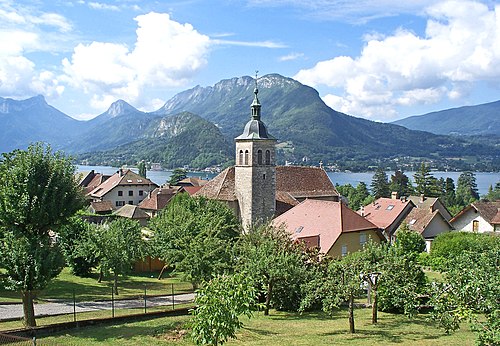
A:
(356, 197)
(493, 193)
(196, 235)
(401, 184)
(220, 303)
(408, 243)
(38, 193)
(466, 189)
(116, 246)
(177, 175)
(142, 169)
(342, 283)
(380, 184)
(270, 257)
(70, 236)
(470, 290)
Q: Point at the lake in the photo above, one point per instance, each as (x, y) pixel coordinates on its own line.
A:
(483, 179)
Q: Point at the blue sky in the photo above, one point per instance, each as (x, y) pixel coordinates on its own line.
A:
(381, 60)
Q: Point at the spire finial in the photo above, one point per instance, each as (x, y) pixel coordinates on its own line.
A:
(256, 90)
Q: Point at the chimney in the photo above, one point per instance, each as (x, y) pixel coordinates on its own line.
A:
(362, 211)
(422, 198)
(394, 195)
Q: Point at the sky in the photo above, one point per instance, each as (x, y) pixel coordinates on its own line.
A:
(381, 60)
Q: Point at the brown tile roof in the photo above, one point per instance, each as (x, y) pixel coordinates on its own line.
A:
(490, 211)
(292, 182)
(131, 212)
(192, 181)
(303, 182)
(159, 197)
(385, 211)
(121, 178)
(324, 219)
(419, 218)
(102, 206)
(97, 180)
(221, 187)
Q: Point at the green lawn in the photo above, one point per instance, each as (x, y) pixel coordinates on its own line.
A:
(63, 286)
(278, 329)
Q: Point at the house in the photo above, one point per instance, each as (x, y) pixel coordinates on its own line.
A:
(387, 213)
(158, 199)
(90, 180)
(123, 187)
(191, 181)
(429, 218)
(329, 225)
(133, 212)
(480, 217)
(101, 207)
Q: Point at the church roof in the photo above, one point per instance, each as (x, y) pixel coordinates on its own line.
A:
(255, 128)
(292, 182)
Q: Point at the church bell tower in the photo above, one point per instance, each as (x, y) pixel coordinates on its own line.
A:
(255, 170)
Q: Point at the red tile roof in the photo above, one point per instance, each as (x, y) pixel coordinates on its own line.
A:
(159, 197)
(191, 190)
(192, 181)
(102, 206)
(120, 178)
(385, 211)
(324, 219)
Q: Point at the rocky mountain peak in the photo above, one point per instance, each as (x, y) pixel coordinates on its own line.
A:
(118, 108)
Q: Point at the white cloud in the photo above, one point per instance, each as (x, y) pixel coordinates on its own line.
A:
(101, 6)
(291, 56)
(22, 31)
(261, 44)
(461, 46)
(166, 53)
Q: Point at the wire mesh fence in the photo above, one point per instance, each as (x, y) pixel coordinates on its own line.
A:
(77, 306)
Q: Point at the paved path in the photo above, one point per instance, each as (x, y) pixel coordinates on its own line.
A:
(14, 311)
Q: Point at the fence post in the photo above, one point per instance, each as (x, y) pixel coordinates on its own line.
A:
(74, 306)
(145, 304)
(173, 298)
(112, 302)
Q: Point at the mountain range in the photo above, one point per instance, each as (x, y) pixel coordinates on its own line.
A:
(196, 127)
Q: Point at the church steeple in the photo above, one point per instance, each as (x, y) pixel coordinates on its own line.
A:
(255, 128)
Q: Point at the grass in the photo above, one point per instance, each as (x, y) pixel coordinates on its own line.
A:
(86, 289)
(279, 328)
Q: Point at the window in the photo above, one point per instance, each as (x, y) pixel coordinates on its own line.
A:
(475, 226)
(268, 157)
(299, 229)
(264, 176)
(141, 192)
(240, 161)
(130, 202)
(129, 180)
(344, 250)
(120, 203)
(131, 193)
(246, 157)
(120, 193)
(362, 239)
(390, 207)
(259, 157)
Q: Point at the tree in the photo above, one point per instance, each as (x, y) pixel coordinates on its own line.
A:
(493, 193)
(269, 255)
(470, 288)
(408, 243)
(466, 189)
(401, 184)
(178, 174)
(142, 169)
(380, 184)
(220, 302)
(449, 197)
(70, 236)
(424, 181)
(38, 194)
(116, 246)
(342, 283)
(196, 235)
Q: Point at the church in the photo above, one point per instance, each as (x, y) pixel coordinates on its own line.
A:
(255, 188)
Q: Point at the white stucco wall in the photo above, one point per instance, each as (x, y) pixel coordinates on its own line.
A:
(465, 222)
(135, 198)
